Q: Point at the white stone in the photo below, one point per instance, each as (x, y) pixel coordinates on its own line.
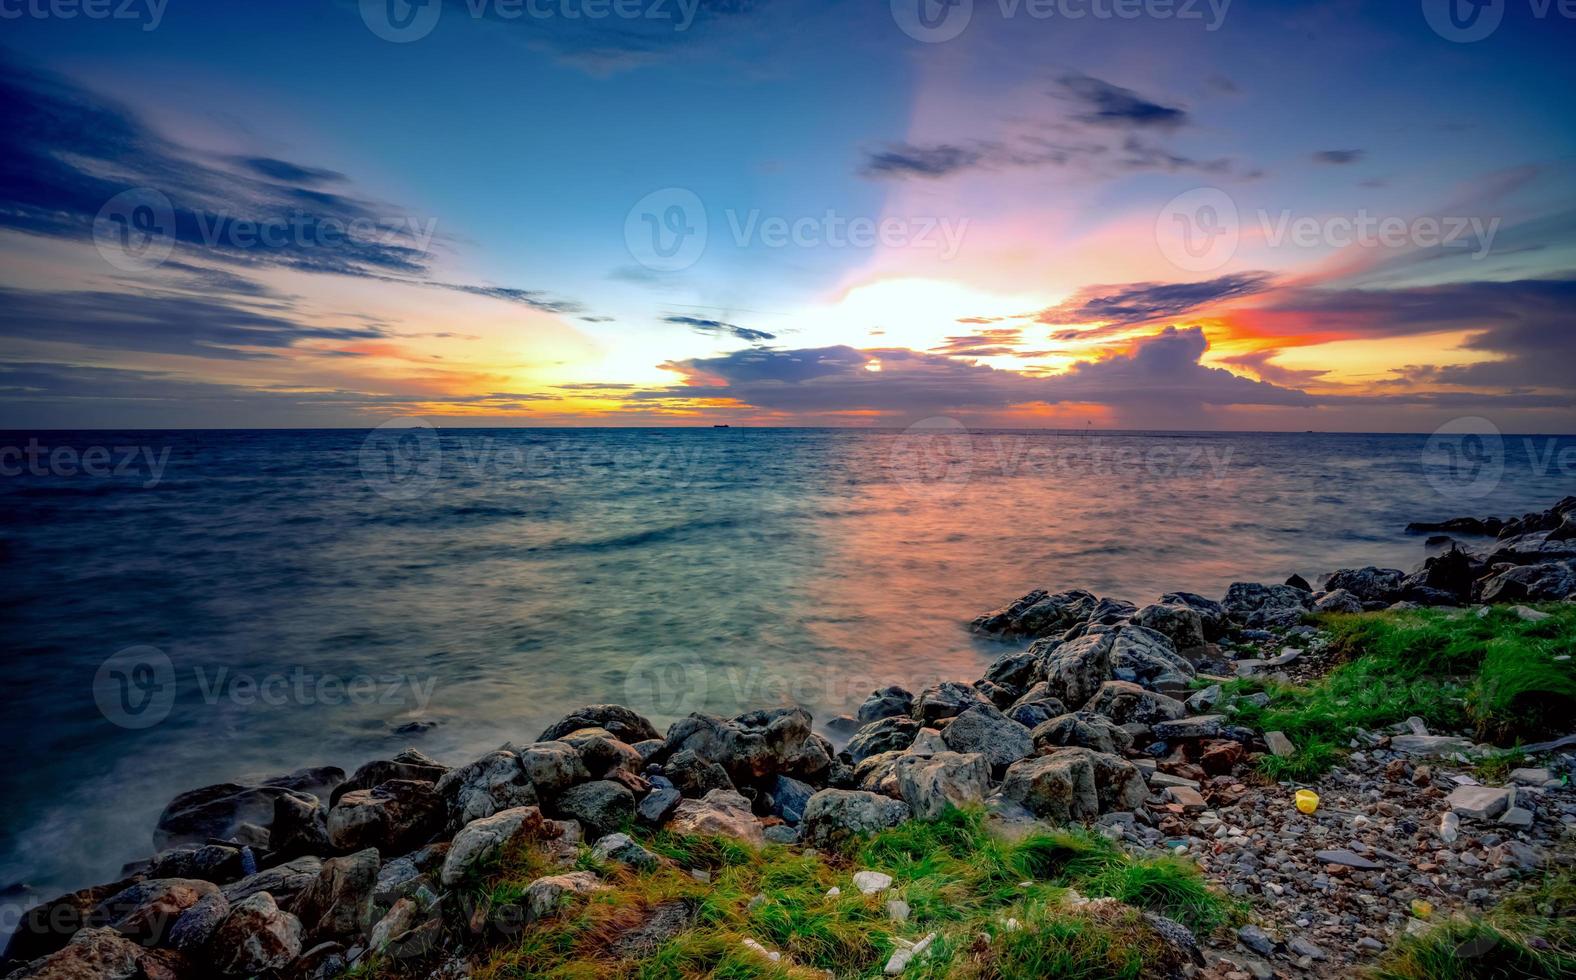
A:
(1449, 827)
(897, 910)
(871, 882)
(1481, 802)
(1531, 777)
(901, 956)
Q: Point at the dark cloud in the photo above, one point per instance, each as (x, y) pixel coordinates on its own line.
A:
(1262, 363)
(1143, 302)
(908, 160)
(290, 173)
(1337, 156)
(996, 342)
(1104, 104)
(719, 328)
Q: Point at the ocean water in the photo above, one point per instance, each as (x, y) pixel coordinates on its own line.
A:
(183, 608)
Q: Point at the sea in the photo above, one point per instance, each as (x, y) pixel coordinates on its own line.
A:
(184, 608)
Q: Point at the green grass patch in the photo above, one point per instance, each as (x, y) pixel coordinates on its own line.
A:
(1530, 936)
(1497, 675)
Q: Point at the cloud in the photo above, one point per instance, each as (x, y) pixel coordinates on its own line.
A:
(290, 173)
(1104, 104)
(1143, 302)
(1337, 156)
(996, 342)
(718, 327)
(908, 160)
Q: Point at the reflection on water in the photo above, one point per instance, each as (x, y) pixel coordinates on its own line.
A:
(488, 580)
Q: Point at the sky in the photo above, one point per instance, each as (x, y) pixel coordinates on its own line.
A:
(1178, 214)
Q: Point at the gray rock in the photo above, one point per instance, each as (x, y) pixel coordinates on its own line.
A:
(394, 816)
(1338, 601)
(338, 904)
(1279, 744)
(929, 784)
(983, 729)
(1255, 939)
(1481, 802)
(656, 806)
(1198, 726)
(544, 897)
(887, 735)
(1544, 582)
(256, 937)
(1368, 584)
(1147, 658)
(623, 849)
(1074, 670)
(885, 703)
(695, 775)
(283, 881)
(197, 924)
(145, 911)
(551, 767)
(1124, 702)
(1084, 729)
(1211, 613)
(1429, 746)
(1346, 859)
(492, 783)
(756, 744)
(480, 840)
(833, 816)
(624, 724)
(1260, 606)
(789, 797)
(1179, 623)
(945, 700)
(602, 805)
(721, 812)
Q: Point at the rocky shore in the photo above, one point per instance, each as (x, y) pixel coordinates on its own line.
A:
(1120, 717)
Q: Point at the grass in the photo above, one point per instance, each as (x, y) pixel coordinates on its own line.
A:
(959, 881)
(1496, 675)
(1530, 936)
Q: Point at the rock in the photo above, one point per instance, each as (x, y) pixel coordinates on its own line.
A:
(622, 723)
(1181, 624)
(1212, 614)
(662, 923)
(694, 775)
(283, 881)
(602, 753)
(196, 925)
(929, 784)
(404, 875)
(602, 806)
(145, 912)
(1368, 584)
(1517, 816)
(1429, 746)
(1338, 601)
(872, 882)
(1449, 827)
(927, 742)
(783, 834)
(1074, 670)
(788, 797)
(1187, 797)
(1279, 745)
(1480, 802)
(394, 816)
(878, 774)
(492, 783)
(1015, 672)
(218, 863)
(834, 816)
(46, 928)
(545, 896)
(324, 961)
(656, 806)
(1302, 947)
(1198, 726)
(95, 954)
(1298, 582)
(1032, 714)
(550, 767)
(338, 905)
(887, 735)
(1220, 756)
(722, 812)
(409, 764)
(1084, 729)
(1205, 700)
(897, 910)
(755, 744)
(945, 700)
(389, 933)
(256, 937)
(482, 839)
(1531, 777)
(1255, 939)
(1038, 614)
(904, 954)
(1147, 658)
(623, 849)
(1074, 784)
(1258, 606)
(885, 703)
(1529, 615)
(1110, 612)
(1346, 859)
(299, 826)
(983, 729)
(218, 812)
(1124, 702)
(1545, 582)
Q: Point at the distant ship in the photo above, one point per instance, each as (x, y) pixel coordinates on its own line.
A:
(723, 425)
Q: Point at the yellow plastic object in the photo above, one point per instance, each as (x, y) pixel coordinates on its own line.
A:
(1307, 800)
(1422, 909)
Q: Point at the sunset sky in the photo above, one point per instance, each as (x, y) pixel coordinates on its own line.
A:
(788, 213)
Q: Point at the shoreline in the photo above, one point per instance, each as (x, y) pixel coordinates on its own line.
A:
(1108, 709)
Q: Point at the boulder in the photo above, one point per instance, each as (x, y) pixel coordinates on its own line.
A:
(283, 881)
(492, 783)
(1259, 606)
(1032, 714)
(196, 926)
(788, 797)
(602, 806)
(218, 812)
(45, 928)
(656, 806)
(623, 849)
(1481, 802)
(721, 812)
(1082, 729)
(892, 734)
(338, 905)
(601, 752)
(885, 703)
(1298, 582)
(325, 961)
(218, 863)
(834, 816)
(1074, 784)
(878, 774)
(1038, 614)
(1145, 657)
(1109, 612)
(1211, 614)
(96, 954)
(545, 897)
(410, 764)
(484, 838)
(256, 937)
(755, 744)
(405, 875)
(1368, 584)
(994, 693)
(945, 700)
(145, 911)
(984, 730)
(1014, 672)
(395, 816)
(929, 784)
(624, 724)
(1338, 601)
(1074, 670)
(694, 775)
(1182, 625)
(1546, 582)
(299, 826)
(1124, 703)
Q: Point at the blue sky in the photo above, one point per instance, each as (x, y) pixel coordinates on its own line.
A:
(1014, 179)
